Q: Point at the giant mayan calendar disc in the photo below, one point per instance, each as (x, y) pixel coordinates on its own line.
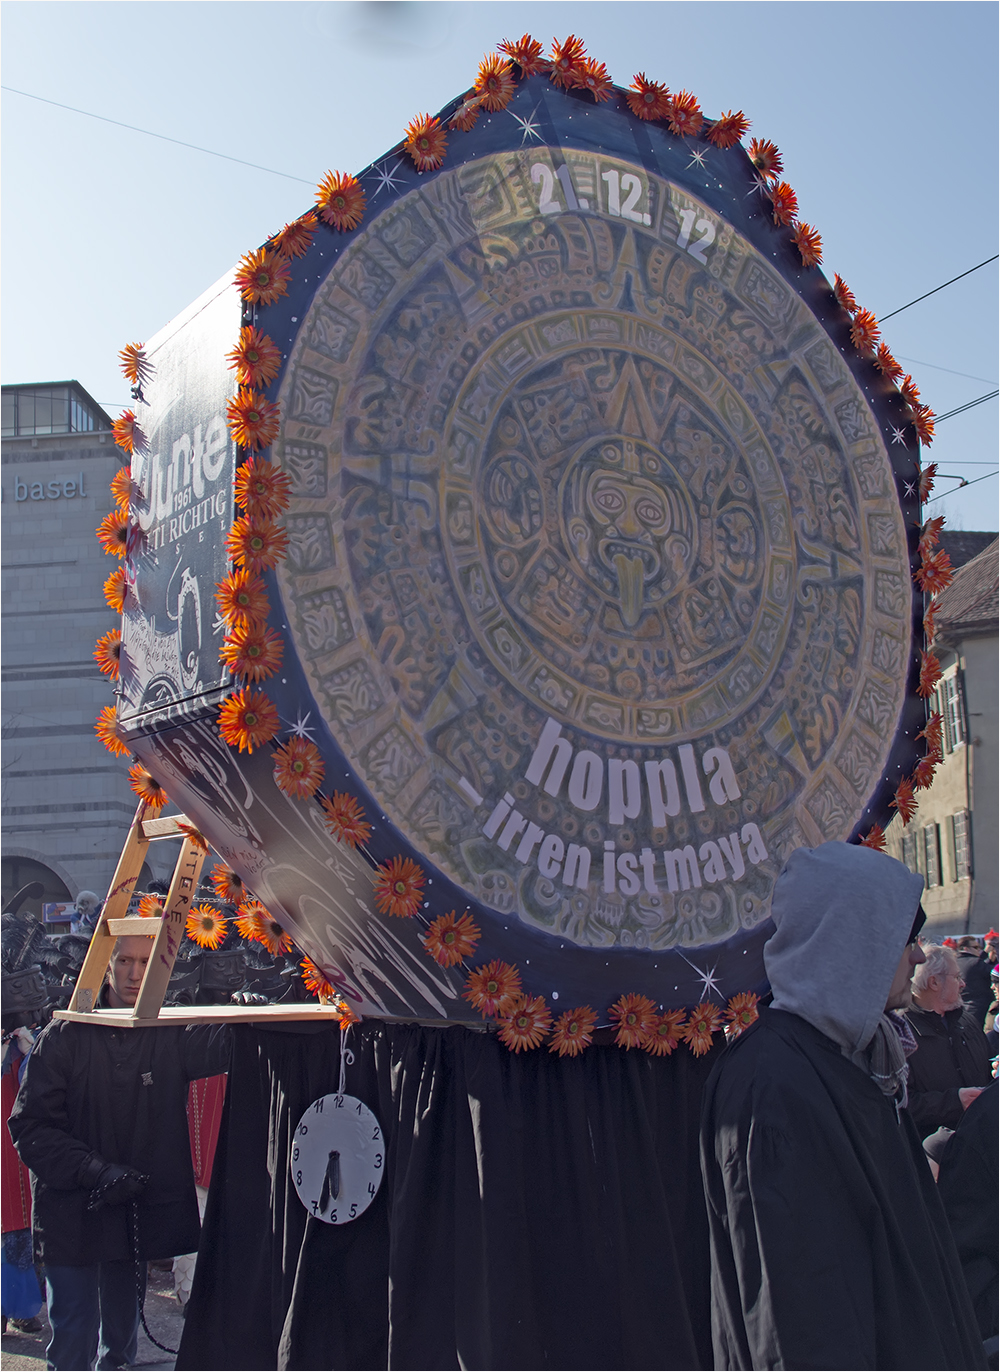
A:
(597, 596)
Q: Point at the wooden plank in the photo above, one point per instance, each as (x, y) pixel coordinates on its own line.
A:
(173, 1015)
(133, 925)
(102, 944)
(167, 826)
(180, 898)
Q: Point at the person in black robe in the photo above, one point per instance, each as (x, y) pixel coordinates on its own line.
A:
(830, 1248)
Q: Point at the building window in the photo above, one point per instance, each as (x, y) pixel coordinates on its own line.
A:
(963, 845)
(50, 410)
(932, 855)
(952, 712)
(910, 852)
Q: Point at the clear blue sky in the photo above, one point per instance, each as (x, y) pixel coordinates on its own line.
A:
(886, 115)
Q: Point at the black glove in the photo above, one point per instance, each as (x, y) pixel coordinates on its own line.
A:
(116, 1184)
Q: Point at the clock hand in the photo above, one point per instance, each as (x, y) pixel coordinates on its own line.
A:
(331, 1182)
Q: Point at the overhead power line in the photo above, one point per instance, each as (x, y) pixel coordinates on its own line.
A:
(150, 134)
(884, 317)
(940, 418)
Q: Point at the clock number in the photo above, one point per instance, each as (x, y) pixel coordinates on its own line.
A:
(704, 227)
(377, 1134)
(339, 1102)
(315, 1207)
(687, 224)
(633, 189)
(298, 1177)
(295, 1153)
(371, 1188)
(614, 199)
(378, 1160)
(303, 1129)
(333, 1217)
(354, 1210)
(318, 1107)
(546, 202)
(360, 1107)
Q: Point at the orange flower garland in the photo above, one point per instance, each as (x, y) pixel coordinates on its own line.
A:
(114, 533)
(399, 887)
(248, 719)
(574, 1030)
(493, 989)
(684, 116)
(875, 838)
(340, 201)
(262, 277)
(494, 83)
(765, 157)
(784, 202)
(903, 801)
(110, 732)
(844, 294)
(196, 837)
(252, 419)
(923, 422)
(242, 599)
(298, 769)
(594, 76)
(466, 115)
(887, 364)
(126, 432)
(253, 652)
(135, 364)
(635, 1016)
(147, 788)
(345, 819)
(206, 927)
(426, 143)
(923, 773)
(566, 60)
(865, 332)
(257, 544)
(151, 907)
(451, 938)
(527, 53)
(526, 1025)
(257, 923)
(261, 488)
(930, 675)
(933, 733)
(728, 129)
(665, 1035)
(314, 981)
(809, 244)
(256, 358)
(705, 1019)
(935, 573)
(930, 622)
(926, 483)
(647, 99)
(108, 653)
(295, 238)
(228, 885)
(741, 1012)
(121, 488)
(115, 590)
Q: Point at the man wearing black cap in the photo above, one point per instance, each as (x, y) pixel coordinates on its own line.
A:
(829, 1245)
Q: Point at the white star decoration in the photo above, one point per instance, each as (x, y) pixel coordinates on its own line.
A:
(909, 488)
(697, 158)
(387, 179)
(528, 127)
(299, 729)
(898, 436)
(708, 979)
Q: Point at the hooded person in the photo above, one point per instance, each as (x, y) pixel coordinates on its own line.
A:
(830, 1248)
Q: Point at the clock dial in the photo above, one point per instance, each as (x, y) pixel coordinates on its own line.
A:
(337, 1159)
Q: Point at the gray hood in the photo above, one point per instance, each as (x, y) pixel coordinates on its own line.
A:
(842, 916)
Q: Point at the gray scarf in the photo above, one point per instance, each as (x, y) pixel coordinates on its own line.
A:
(892, 1044)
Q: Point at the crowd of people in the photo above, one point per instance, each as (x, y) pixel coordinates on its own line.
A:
(848, 1142)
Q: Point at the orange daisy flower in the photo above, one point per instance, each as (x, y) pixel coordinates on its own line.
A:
(255, 922)
(399, 886)
(121, 488)
(574, 1030)
(493, 989)
(262, 277)
(784, 202)
(261, 488)
(426, 143)
(648, 99)
(594, 76)
(684, 115)
(115, 590)
(665, 1035)
(926, 483)
(565, 60)
(147, 788)
(253, 652)
(345, 819)
(930, 622)
(809, 244)
(347, 1016)
(910, 391)
(494, 83)
(340, 201)
(887, 364)
(865, 332)
(635, 1016)
(108, 653)
(248, 719)
(933, 733)
(466, 115)
(935, 573)
(930, 675)
(114, 533)
(298, 769)
(844, 294)
(295, 238)
(451, 938)
(228, 885)
(252, 419)
(242, 599)
(903, 801)
(728, 129)
(256, 358)
(151, 907)
(526, 1025)
(741, 1012)
(127, 433)
(110, 732)
(135, 364)
(527, 53)
(314, 981)
(206, 927)
(923, 773)
(875, 838)
(765, 157)
(705, 1019)
(196, 837)
(923, 422)
(257, 544)
(930, 534)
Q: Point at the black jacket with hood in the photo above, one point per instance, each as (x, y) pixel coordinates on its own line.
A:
(829, 1245)
(952, 1052)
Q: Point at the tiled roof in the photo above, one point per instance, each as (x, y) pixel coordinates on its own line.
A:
(962, 545)
(970, 604)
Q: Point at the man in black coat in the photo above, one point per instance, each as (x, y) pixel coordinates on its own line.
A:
(974, 967)
(830, 1248)
(100, 1123)
(952, 1062)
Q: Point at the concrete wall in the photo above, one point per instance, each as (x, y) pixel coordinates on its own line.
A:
(979, 662)
(66, 801)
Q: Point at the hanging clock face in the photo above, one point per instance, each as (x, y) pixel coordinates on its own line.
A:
(337, 1159)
